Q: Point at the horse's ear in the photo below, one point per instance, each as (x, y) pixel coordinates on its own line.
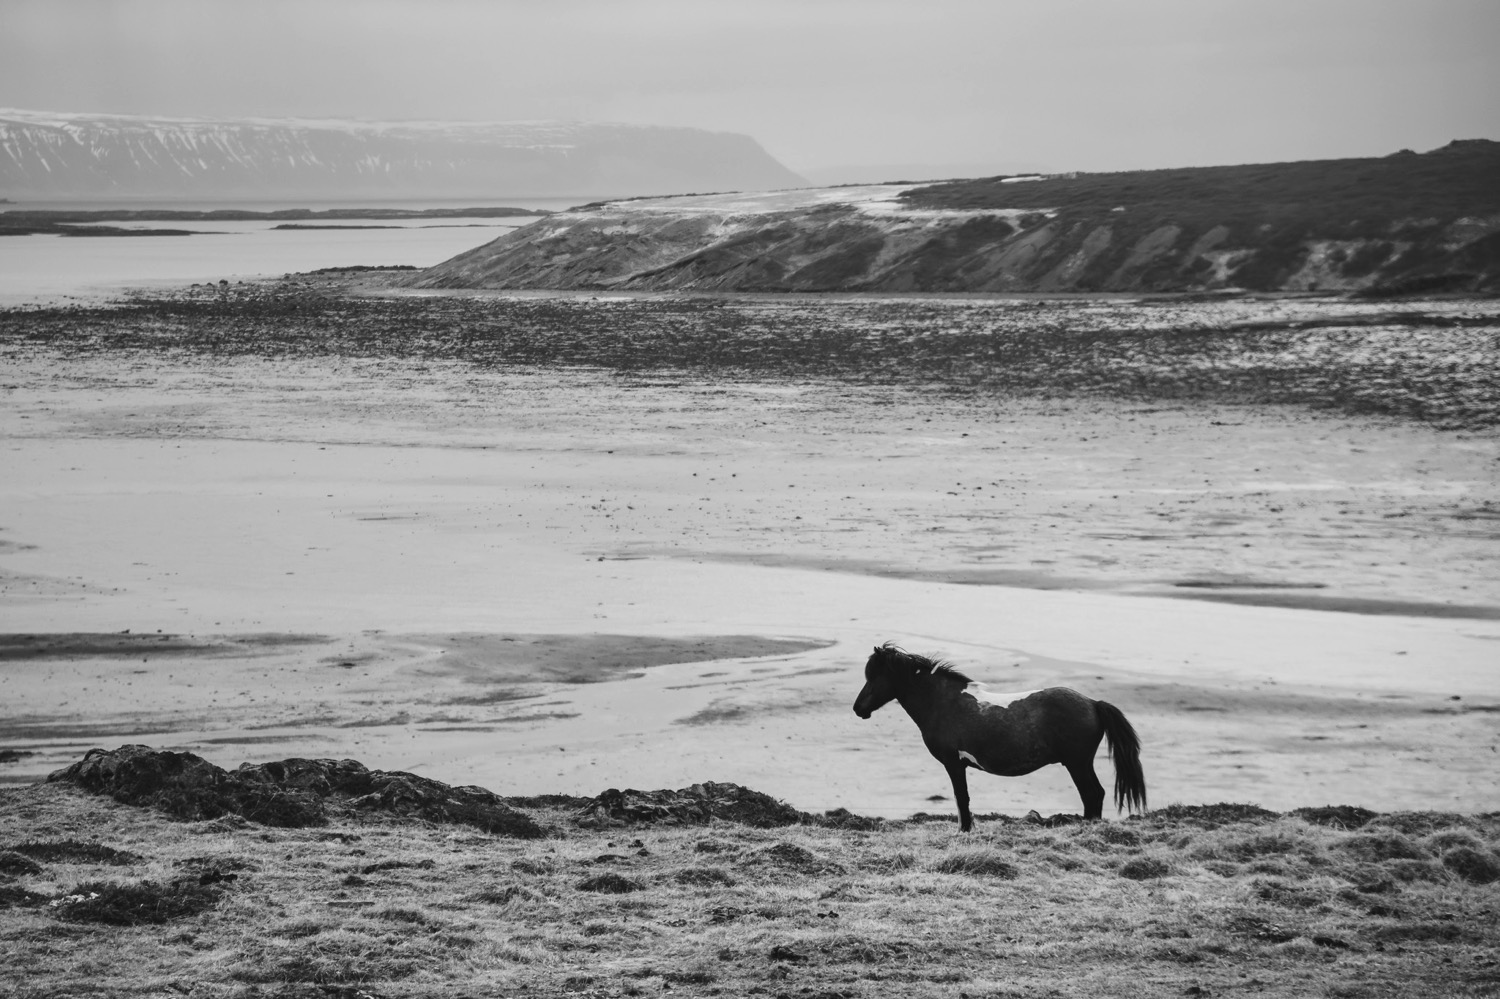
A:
(877, 648)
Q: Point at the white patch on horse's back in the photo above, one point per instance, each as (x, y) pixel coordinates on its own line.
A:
(1002, 699)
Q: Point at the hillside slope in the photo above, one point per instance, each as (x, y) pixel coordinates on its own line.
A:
(52, 156)
(1404, 222)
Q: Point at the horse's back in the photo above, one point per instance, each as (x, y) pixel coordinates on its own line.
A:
(1064, 715)
(1047, 706)
(1033, 729)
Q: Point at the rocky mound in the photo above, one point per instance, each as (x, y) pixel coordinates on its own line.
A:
(700, 803)
(297, 792)
(290, 793)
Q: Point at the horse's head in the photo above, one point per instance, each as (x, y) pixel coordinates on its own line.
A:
(882, 676)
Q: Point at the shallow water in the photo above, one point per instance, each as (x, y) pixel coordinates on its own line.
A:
(43, 269)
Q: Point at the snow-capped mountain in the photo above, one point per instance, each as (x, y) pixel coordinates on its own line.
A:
(50, 156)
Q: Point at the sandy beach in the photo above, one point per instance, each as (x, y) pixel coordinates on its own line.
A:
(558, 579)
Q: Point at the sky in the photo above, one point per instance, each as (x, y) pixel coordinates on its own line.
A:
(831, 88)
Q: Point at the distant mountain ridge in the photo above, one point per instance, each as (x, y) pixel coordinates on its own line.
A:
(97, 156)
(1402, 223)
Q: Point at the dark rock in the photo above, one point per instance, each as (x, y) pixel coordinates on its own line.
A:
(421, 798)
(292, 793)
(698, 804)
(183, 785)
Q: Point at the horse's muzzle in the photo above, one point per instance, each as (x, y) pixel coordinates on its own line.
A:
(861, 712)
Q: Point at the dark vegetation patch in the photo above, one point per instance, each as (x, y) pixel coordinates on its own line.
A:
(705, 877)
(610, 883)
(842, 818)
(1436, 367)
(1145, 868)
(1422, 823)
(1212, 816)
(1378, 846)
(1282, 893)
(395, 865)
(792, 858)
(1262, 929)
(979, 861)
(71, 851)
(1477, 866)
(13, 897)
(15, 865)
(135, 904)
(1336, 816)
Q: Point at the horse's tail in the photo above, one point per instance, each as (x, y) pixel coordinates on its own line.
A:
(1125, 750)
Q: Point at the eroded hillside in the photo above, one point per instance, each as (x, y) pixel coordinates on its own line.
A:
(1404, 223)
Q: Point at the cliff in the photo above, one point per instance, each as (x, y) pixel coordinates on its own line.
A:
(1406, 222)
(56, 156)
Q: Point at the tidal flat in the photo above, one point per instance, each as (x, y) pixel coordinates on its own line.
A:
(1265, 528)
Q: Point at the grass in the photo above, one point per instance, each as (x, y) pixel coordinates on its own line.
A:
(1332, 197)
(1210, 901)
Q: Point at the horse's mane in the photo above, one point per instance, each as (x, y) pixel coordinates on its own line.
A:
(923, 666)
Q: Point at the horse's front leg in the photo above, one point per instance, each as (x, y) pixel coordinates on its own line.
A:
(960, 792)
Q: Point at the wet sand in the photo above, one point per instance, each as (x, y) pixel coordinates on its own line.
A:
(418, 564)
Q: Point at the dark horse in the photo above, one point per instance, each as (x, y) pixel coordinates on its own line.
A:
(965, 725)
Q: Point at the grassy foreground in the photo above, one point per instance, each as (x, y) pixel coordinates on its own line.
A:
(99, 898)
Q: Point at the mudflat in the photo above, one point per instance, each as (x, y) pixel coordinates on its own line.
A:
(546, 545)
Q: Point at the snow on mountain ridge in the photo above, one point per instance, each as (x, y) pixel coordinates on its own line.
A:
(52, 154)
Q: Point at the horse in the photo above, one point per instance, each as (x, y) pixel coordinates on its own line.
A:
(965, 725)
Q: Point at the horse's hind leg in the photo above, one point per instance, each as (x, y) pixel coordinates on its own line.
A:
(1089, 788)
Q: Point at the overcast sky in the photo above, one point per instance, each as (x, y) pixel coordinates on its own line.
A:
(1054, 84)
